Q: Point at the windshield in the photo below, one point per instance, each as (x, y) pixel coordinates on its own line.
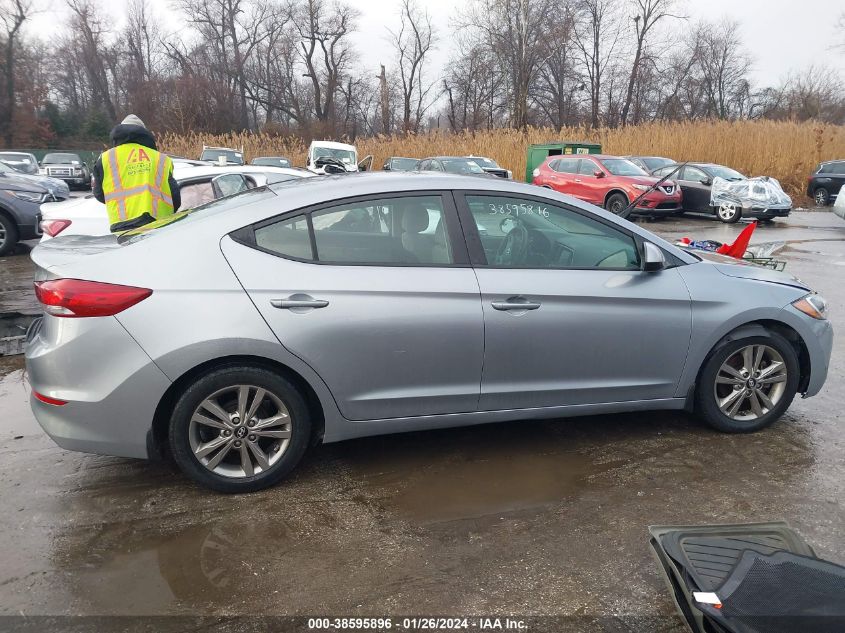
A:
(60, 159)
(403, 164)
(655, 162)
(461, 166)
(727, 173)
(622, 167)
(229, 155)
(484, 162)
(269, 161)
(345, 156)
(12, 157)
(12, 167)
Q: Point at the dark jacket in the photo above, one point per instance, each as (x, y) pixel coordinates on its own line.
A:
(120, 135)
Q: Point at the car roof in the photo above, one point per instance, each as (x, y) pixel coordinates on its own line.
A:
(332, 145)
(201, 171)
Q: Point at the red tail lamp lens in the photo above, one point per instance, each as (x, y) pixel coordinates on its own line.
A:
(75, 298)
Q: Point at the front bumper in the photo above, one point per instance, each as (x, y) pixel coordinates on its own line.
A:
(759, 212)
(660, 208)
(111, 386)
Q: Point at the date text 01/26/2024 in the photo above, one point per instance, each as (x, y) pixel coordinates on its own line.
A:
(417, 624)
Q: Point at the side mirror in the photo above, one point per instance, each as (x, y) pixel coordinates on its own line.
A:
(653, 258)
(598, 173)
(706, 182)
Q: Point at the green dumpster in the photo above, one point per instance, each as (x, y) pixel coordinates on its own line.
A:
(539, 152)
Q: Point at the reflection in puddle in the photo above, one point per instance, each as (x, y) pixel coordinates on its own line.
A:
(471, 473)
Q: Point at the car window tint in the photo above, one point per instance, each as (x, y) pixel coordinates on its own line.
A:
(196, 194)
(665, 171)
(587, 168)
(524, 233)
(287, 237)
(409, 230)
(567, 165)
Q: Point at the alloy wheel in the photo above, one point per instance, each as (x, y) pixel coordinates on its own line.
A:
(821, 197)
(2, 235)
(727, 211)
(240, 431)
(750, 383)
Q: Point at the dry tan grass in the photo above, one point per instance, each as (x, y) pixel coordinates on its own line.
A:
(787, 151)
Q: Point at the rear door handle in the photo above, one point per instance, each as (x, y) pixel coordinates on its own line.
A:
(298, 301)
(577, 180)
(515, 304)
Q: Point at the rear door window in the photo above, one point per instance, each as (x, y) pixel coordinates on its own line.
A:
(567, 165)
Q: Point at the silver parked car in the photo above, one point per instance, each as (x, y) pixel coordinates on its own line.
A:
(330, 308)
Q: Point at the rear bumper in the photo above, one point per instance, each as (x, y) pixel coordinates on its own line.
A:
(111, 386)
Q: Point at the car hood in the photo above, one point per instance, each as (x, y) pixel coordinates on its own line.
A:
(55, 186)
(643, 180)
(732, 267)
(21, 182)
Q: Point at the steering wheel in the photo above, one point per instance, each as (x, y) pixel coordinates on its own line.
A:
(514, 248)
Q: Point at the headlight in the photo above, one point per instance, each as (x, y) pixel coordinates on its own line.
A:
(29, 196)
(642, 187)
(812, 305)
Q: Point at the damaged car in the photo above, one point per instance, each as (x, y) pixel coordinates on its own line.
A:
(726, 193)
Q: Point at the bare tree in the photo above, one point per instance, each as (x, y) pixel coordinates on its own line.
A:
(724, 68)
(649, 14)
(324, 29)
(90, 36)
(597, 34)
(13, 14)
(412, 43)
(558, 80)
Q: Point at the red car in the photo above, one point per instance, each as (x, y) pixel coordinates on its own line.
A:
(608, 181)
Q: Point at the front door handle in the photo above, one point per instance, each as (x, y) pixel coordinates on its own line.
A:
(515, 303)
(298, 301)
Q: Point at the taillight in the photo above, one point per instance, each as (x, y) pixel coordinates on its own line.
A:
(54, 227)
(74, 298)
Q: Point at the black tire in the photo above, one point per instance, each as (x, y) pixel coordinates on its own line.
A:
(821, 197)
(189, 401)
(706, 406)
(616, 203)
(8, 235)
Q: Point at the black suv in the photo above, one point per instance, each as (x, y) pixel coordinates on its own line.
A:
(824, 183)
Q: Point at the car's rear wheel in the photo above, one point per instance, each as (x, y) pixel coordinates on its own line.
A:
(748, 383)
(616, 203)
(8, 235)
(239, 429)
(728, 212)
(821, 197)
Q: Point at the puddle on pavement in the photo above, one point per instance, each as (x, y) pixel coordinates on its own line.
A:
(471, 473)
(129, 571)
(16, 417)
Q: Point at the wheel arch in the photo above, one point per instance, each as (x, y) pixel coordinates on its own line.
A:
(615, 191)
(761, 327)
(157, 442)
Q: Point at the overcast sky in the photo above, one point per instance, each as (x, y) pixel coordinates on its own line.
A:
(782, 35)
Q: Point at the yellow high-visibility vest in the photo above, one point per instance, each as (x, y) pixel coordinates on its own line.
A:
(135, 182)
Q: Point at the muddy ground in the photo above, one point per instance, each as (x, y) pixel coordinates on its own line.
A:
(531, 518)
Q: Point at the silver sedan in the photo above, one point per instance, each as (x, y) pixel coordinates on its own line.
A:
(235, 335)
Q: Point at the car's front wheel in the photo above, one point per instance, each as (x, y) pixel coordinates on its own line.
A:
(8, 235)
(728, 212)
(747, 383)
(239, 429)
(616, 203)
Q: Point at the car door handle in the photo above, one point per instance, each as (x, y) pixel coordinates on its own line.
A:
(291, 302)
(513, 304)
(577, 180)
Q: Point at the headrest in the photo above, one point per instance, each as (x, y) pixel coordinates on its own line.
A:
(415, 218)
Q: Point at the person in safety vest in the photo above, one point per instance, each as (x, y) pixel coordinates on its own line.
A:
(133, 179)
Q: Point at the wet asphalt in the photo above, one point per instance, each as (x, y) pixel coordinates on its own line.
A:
(527, 518)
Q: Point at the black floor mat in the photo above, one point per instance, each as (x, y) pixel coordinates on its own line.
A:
(782, 593)
(703, 558)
